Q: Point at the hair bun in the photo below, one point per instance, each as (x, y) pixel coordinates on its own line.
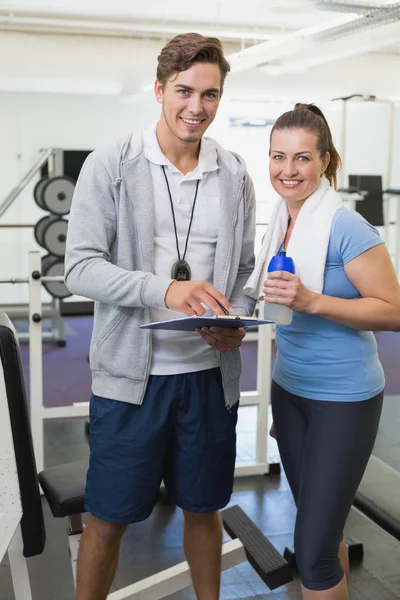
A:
(311, 107)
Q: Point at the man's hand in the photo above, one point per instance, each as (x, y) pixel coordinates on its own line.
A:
(186, 297)
(224, 339)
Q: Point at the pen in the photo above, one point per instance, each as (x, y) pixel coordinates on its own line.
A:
(222, 308)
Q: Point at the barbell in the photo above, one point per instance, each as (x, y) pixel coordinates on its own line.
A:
(52, 277)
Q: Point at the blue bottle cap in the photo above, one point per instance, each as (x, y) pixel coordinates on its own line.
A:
(281, 262)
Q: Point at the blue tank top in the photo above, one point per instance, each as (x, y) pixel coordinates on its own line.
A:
(323, 360)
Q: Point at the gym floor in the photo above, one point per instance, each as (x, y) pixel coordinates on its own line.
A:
(156, 544)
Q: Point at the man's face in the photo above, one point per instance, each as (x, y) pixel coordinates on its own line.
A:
(190, 100)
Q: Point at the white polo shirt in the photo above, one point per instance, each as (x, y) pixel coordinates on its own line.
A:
(183, 352)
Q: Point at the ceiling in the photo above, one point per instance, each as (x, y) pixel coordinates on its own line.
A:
(269, 37)
(248, 21)
(250, 17)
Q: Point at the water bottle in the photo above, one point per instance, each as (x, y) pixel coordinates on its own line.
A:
(278, 313)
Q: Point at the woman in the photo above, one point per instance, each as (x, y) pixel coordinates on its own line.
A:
(327, 387)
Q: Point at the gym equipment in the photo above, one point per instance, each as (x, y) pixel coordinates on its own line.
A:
(52, 266)
(378, 211)
(56, 194)
(50, 311)
(39, 228)
(351, 195)
(43, 157)
(51, 233)
(37, 192)
(261, 554)
(371, 207)
(51, 275)
(64, 487)
(366, 196)
(378, 496)
(355, 550)
(389, 196)
(37, 411)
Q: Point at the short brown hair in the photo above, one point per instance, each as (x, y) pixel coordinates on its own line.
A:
(186, 49)
(311, 118)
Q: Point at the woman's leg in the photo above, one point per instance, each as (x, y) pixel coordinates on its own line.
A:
(290, 426)
(344, 558)
(339, 442)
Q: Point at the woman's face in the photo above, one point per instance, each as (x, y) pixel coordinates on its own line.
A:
(295, 164)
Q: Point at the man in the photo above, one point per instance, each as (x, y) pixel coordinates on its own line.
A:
(162, 226)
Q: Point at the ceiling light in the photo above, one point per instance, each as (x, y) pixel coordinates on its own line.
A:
(240, 60)
(333, 51)
(13, 21)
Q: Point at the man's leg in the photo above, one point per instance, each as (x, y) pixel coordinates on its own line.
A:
(203, 546)
(201, 469)
(128, 445)
(98, 558)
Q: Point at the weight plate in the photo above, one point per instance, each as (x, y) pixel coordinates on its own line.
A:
(37, 192)
(57, 195)
(55, 236)
(47, 261)
(54, 267)
(39, 229)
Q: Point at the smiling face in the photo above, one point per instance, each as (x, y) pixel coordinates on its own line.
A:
(189, 101)
(295, 164)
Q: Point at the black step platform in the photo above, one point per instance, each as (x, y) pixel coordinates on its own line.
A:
(355, 550)
(261, 554)
(378, 496)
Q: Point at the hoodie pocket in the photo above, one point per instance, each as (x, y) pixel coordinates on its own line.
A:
(120, 348)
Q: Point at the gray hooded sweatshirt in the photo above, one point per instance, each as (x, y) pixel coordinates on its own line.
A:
(109, 258)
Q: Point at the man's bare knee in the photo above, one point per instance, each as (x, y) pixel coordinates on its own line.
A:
(200, 518)
(106, 533)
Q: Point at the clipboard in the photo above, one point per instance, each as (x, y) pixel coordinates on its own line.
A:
(192, 323)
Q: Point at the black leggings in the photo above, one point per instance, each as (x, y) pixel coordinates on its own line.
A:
(324, 447)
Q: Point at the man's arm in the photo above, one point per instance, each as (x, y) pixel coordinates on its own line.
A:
(243, 304)
(91, 232)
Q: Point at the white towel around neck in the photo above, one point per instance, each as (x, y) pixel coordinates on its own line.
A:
(308, 244)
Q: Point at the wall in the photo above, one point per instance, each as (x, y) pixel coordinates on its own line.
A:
(30, 122)
(371, 144)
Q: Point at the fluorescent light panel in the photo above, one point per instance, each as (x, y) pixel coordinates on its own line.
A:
(238, 59)
(345, 48)
(127, 27)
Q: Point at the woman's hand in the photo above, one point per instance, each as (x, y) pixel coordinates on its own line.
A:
(288, 290)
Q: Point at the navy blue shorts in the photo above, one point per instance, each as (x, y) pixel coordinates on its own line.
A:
(182, 434)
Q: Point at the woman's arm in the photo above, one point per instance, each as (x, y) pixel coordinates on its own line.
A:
(371, 273)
